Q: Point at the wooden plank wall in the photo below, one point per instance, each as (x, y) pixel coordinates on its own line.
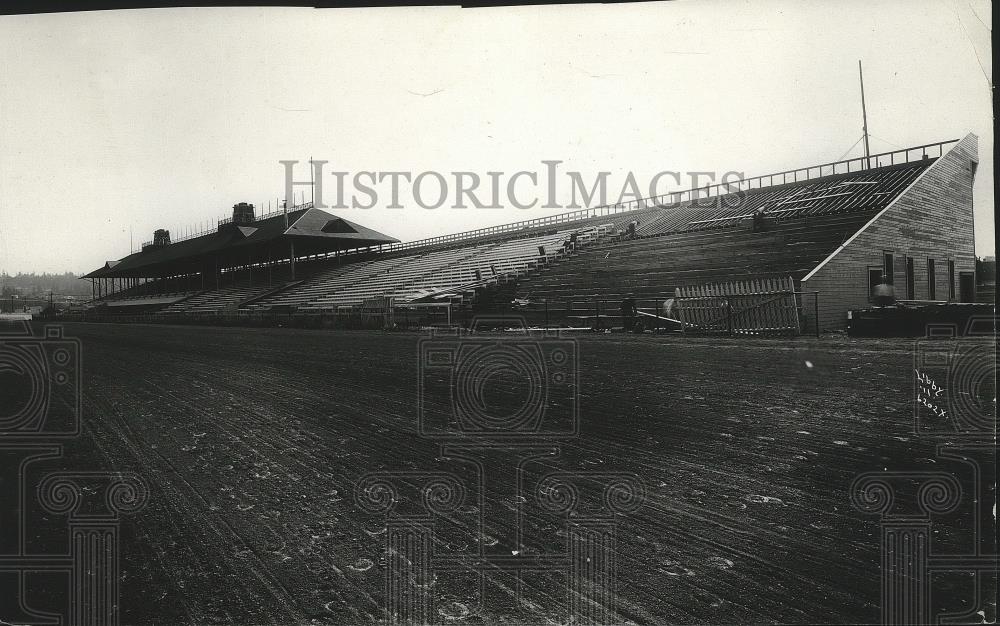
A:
(750, 307)
(933, 219)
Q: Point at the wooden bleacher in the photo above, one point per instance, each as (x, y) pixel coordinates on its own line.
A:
(409, 277)
(216, 300)
(653, 267)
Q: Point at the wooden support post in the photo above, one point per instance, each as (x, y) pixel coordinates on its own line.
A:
(816, 312)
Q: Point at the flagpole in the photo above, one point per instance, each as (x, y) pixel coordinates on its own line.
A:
(864, 115)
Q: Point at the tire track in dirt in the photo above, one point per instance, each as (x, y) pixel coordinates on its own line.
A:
(254, 438)
(200, 529)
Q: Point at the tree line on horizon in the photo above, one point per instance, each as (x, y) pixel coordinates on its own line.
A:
(38, 285)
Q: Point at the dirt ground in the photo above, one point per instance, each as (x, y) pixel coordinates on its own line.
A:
(252, 441)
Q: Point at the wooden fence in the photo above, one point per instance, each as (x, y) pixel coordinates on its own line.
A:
(752, 307)
(377, 312)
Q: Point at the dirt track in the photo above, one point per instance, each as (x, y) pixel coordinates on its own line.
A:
(252, 440)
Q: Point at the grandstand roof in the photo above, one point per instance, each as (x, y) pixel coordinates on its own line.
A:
(312, 230)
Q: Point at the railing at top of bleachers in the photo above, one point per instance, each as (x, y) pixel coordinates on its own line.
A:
(551, 220)
(895, 157)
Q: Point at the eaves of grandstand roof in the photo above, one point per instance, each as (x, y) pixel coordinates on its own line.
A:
(104, 270)
(317, 224)
(317, 230)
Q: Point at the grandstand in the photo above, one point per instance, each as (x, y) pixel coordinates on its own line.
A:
(652, 268)
(835, 229)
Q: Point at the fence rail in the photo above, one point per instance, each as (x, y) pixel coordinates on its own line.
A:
(597, 314)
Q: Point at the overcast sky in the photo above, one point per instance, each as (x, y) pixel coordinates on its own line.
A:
(121, 122)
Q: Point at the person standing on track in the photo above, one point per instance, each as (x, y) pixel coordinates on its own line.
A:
(629, 312)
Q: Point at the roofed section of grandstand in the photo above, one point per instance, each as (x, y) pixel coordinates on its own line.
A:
(245, 240)
(788, 224)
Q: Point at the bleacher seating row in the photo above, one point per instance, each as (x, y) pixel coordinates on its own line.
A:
(414, 276)
(238, 286)
(654, 267)
(124, 300)
(217, 300)
(860, 191)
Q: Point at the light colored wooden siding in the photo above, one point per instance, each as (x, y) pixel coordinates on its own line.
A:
(932, 219)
